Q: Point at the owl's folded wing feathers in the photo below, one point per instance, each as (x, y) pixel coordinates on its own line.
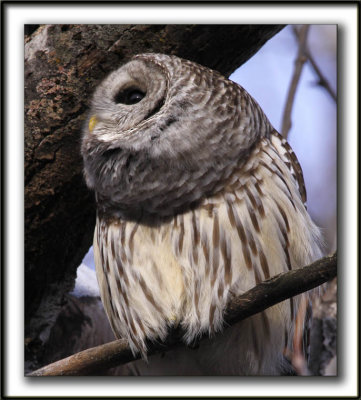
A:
(185, 270)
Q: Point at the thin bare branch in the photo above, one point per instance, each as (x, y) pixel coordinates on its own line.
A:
(300, 60)
(298, 360)
(322, 81)
(262, 296)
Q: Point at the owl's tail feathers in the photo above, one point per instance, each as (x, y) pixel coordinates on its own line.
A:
(153, 339)
(138, 347)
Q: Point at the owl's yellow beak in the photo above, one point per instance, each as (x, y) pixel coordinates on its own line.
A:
(92, 122)
(173, 318)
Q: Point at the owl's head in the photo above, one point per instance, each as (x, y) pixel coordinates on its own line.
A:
(158, 125)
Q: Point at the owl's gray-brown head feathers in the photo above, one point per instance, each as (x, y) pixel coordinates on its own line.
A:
(163, 132)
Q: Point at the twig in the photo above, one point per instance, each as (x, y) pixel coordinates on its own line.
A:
(262, 296)
(300, 60)
(298, 360)
(322, 81)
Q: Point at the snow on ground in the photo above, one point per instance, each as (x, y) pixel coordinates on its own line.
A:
(86, 283)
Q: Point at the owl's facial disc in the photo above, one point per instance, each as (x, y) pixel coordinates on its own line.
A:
(125, 100)
(160, 116)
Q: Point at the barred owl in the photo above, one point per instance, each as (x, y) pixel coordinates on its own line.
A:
(198, 200)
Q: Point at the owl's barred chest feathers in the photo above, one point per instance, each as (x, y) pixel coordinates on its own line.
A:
(199, 199)
(184, 270)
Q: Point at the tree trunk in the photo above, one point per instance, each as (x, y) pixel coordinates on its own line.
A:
(63, 65)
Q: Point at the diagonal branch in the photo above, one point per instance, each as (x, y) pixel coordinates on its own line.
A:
(322, 81)
(262, 296)
(300, 60)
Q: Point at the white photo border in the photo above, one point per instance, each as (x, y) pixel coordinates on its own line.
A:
(345, 15)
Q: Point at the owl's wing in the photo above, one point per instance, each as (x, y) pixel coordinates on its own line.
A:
(291, 161)
(255, 228)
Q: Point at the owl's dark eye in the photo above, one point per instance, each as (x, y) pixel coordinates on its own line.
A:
(129, 96)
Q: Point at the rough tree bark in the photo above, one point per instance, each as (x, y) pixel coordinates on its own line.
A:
(63, 64)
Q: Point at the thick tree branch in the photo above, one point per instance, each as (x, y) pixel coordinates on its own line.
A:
(262, 296)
